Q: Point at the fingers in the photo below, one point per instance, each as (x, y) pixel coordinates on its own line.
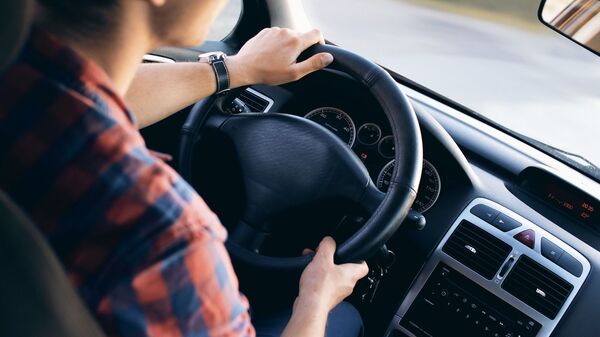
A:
(310, 38)
(314, 63)
(326, 249)
(307, 251)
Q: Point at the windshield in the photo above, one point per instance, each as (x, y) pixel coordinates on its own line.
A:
(492, 56)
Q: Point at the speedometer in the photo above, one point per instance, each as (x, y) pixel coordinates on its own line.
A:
(336, 121)
(429, 188)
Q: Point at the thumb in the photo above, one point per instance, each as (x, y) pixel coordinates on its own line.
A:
(314, 63)
(326, 249)
(357, 270)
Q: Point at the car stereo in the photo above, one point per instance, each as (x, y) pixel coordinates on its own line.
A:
(493, 274)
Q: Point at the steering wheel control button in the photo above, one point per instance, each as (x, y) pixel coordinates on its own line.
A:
(551, 251)
(369, 134)
(485, 213)
(570, 264)
(505, 223)
(526, 237)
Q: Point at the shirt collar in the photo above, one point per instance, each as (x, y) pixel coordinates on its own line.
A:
(49, 47)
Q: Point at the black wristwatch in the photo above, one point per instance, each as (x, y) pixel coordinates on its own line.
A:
(217, 61)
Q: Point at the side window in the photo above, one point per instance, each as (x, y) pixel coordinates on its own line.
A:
(226, 21)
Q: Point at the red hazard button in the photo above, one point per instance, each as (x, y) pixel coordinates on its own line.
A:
(526, 237)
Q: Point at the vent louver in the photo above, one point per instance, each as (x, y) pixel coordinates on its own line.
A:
(253, 101)
(477, 249)
(537, 286)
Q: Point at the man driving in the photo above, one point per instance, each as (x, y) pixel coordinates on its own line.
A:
(143, 249)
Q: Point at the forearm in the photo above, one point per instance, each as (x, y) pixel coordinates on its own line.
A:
(159, 90)
(309, 319)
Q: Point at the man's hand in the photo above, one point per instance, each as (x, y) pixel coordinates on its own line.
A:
(324, 284)
(270, 57)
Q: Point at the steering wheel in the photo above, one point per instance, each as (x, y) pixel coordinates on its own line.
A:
(288, 161)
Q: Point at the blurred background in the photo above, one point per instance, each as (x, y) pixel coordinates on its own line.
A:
(492, 56)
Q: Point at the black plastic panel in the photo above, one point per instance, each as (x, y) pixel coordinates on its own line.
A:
(452, 305)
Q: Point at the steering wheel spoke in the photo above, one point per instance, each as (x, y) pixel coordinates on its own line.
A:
(247, 237)
(371, 198)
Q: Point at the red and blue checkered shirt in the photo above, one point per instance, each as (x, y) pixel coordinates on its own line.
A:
(142, 248)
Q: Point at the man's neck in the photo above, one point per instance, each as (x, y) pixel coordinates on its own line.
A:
(118, 50)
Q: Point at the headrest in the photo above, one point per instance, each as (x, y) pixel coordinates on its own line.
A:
(15, 17)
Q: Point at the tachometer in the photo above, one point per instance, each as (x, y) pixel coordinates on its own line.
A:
(429, 188)
(336, 121)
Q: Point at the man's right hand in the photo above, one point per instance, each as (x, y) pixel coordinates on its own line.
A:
(324, 284)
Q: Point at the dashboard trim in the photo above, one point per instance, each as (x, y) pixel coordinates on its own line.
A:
(495, 285)
(269, 100)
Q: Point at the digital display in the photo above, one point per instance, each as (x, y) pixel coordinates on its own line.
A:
(562, 195)
(576, 205)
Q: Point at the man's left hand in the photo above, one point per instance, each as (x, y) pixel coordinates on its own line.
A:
(270, 57)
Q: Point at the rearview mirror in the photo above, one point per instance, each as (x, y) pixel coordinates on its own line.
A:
(578, 20)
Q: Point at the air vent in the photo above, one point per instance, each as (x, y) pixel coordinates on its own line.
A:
(537, 286)
(477, 249)
(255, 101)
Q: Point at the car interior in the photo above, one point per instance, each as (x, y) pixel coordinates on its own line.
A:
(467, 229)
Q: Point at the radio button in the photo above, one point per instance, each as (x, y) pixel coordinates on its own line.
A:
(485, 213)
(505, 223)
(551, 251)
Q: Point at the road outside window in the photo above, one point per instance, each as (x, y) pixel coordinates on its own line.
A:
(226, 21)
(492, 56)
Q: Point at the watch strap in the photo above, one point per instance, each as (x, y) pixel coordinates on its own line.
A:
(221, 74)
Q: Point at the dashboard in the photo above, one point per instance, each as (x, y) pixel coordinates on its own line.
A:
(494, 272)
(538, 220)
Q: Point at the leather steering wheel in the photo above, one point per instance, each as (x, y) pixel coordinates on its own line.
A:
(288, 161)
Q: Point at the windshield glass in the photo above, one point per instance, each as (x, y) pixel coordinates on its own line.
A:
(492, 56)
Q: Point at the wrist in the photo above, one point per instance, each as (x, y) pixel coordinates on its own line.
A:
(312, 304)
(239, 74)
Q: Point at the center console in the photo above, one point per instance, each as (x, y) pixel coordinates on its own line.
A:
(493, 274)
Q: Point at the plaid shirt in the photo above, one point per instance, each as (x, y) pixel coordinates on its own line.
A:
(142, 248)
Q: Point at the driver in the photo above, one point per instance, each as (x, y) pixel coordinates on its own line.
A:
(144, 251)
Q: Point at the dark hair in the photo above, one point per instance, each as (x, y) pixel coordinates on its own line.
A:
(80, 16)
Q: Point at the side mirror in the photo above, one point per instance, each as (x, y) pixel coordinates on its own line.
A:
(578, 20)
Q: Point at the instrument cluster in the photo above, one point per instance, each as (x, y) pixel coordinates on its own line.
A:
(374, 145)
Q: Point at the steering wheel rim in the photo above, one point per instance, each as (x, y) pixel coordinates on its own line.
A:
(387, 211)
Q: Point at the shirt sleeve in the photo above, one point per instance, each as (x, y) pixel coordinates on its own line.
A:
(191, 291)
(170, 274)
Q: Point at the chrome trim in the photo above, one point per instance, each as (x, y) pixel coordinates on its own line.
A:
(494, 285)
(365, 125)
(261, 95)
(157, 59)
(340, 111)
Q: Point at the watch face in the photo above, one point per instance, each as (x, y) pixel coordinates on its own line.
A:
(211, 57)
